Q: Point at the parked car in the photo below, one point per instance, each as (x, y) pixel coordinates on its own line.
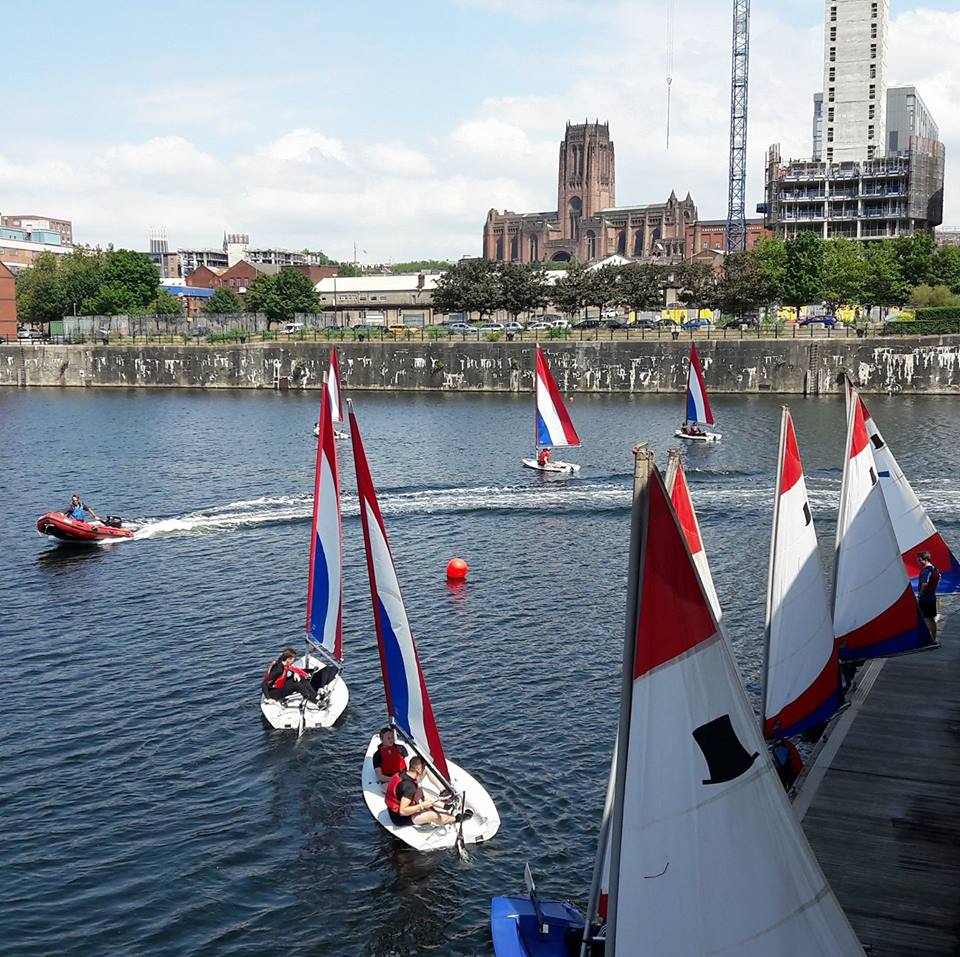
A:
(611, 314)
(614, 324)
(401, 330)
(587, 324)
(539, 327)
(645, 322)
(691, 324)
(513, 327)
(24, 333)
(828, 321)
(291, 328)
(492, 327)
(742, 322)
(461, 327)
(559, 323)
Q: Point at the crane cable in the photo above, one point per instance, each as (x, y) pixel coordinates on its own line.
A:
(671, 17)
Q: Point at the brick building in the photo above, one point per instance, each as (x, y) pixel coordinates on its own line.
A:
(31, 222)
(8, 304)
(711, 234)
(586, 224)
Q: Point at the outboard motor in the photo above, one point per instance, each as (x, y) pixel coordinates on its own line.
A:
(114, 521)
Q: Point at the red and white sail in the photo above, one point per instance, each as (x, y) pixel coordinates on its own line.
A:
(679, 491)
(707, 856)
(914, 530)
(334, 391)
(875, 612)
(802, 685)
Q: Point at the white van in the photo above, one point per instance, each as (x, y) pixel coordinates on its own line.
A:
(292, 328)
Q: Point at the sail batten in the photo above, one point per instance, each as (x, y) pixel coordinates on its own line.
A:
(698, 402)
(324, 623)
(408, 703)
(875, 612)
(554, 425)
(707, 856)
(802, 685)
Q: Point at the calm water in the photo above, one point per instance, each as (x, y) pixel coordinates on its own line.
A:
(147, 810)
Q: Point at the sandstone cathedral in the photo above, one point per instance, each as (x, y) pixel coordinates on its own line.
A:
(587, 225)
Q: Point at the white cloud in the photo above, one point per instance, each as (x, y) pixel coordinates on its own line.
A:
(311, 185)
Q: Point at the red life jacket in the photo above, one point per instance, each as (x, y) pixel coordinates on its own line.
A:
(391, 797)
(391, 761)
(282, 680)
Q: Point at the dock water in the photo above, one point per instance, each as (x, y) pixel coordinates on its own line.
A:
(884, 818)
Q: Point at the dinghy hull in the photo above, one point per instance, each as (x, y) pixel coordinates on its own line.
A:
(555, 468)
(516, 931)
(292, 713)
(706, 437)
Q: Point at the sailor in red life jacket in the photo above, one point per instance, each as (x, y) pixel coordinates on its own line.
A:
(544, 457)
(282, 679)
(406, 803)
(390, 758)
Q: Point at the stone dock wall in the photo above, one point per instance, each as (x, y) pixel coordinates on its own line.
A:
(929, 365)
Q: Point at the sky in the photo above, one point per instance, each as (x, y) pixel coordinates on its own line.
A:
(398, 126)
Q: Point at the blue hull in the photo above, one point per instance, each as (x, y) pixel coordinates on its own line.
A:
(513, 922)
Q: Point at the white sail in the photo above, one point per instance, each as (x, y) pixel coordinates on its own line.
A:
(802, 672)
(707, 856)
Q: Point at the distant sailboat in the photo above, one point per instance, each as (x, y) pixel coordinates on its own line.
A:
(553, 425)
(408, 703)
(801, 686)
(914, 530)
(334, 391)
(324, 625)
(676, 482)
(706, 856)
(875, 612)
(698, 404)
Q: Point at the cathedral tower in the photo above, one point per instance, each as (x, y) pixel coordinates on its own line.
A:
(586, 181)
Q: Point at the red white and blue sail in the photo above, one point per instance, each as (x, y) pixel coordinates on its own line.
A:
(875, 612)
(914, 530)
(408, 703)
(683, 505)
(554, 425)
(325, 586)
(698, 404)
(802, 685)
(333, 387)
(707, 856)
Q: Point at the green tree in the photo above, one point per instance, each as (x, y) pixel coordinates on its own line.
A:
(601, 285)
(39, 296)
(223, 302)
(349, 271)
(740, 289)
(282, 295)
(79, 275)
(523, 288)
(166, 304)
(641, 286)
(572, 292)
(134, 274)
(914, 256)
(844, 272)
(561, 264)
(322, 258)
(473, 285)
(884, 284)
(924, 296)
(420, 265)
(113, 299)
(697, 284)
(803, 279)
(945, 268)
(769, 260)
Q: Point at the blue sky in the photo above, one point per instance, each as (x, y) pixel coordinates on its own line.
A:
(399, 125)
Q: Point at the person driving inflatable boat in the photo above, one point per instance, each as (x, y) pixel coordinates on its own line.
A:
(77, 510)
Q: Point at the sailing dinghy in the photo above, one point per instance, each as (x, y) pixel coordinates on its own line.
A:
(914, 530)
(679, 492)
(801, 686)
(705, 855)
(875, 612)
(324, 598)
(553, 425)
(698, 405)
(332, 387)
(408, 704)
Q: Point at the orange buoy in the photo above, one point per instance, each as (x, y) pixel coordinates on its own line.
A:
(457, 569)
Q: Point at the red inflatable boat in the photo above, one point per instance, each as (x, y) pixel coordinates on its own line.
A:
(71, 530)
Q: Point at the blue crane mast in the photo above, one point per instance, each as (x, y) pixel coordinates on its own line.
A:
(739, 74)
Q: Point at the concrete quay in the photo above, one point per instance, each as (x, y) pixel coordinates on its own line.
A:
(881, 806)
(927, 365)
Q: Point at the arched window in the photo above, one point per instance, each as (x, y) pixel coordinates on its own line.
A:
(515, 248)
(575, 211)
(622, 242)
(560, 257)
(500, 248)
(591, 244)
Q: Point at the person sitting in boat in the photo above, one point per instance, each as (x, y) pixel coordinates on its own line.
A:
(406, 803)
(691, 429)
(544, 457)
(282, 679)
(390, 758)
(77, 510)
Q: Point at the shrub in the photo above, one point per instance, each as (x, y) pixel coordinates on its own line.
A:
(493, 336)
(922, 327)
(434, 333)
(936, 313)
(556, 333)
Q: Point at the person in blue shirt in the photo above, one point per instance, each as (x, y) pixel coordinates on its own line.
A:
(927, 583)
(79, 511)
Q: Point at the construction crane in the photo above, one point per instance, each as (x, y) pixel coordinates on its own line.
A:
(671, 17)
(739, 74)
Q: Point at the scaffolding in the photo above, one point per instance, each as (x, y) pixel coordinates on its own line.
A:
(739, 74)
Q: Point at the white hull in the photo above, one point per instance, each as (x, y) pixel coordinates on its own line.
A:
(289, 713)
(337, 433)
(558, 468)
(481, 827)
(706, 437)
